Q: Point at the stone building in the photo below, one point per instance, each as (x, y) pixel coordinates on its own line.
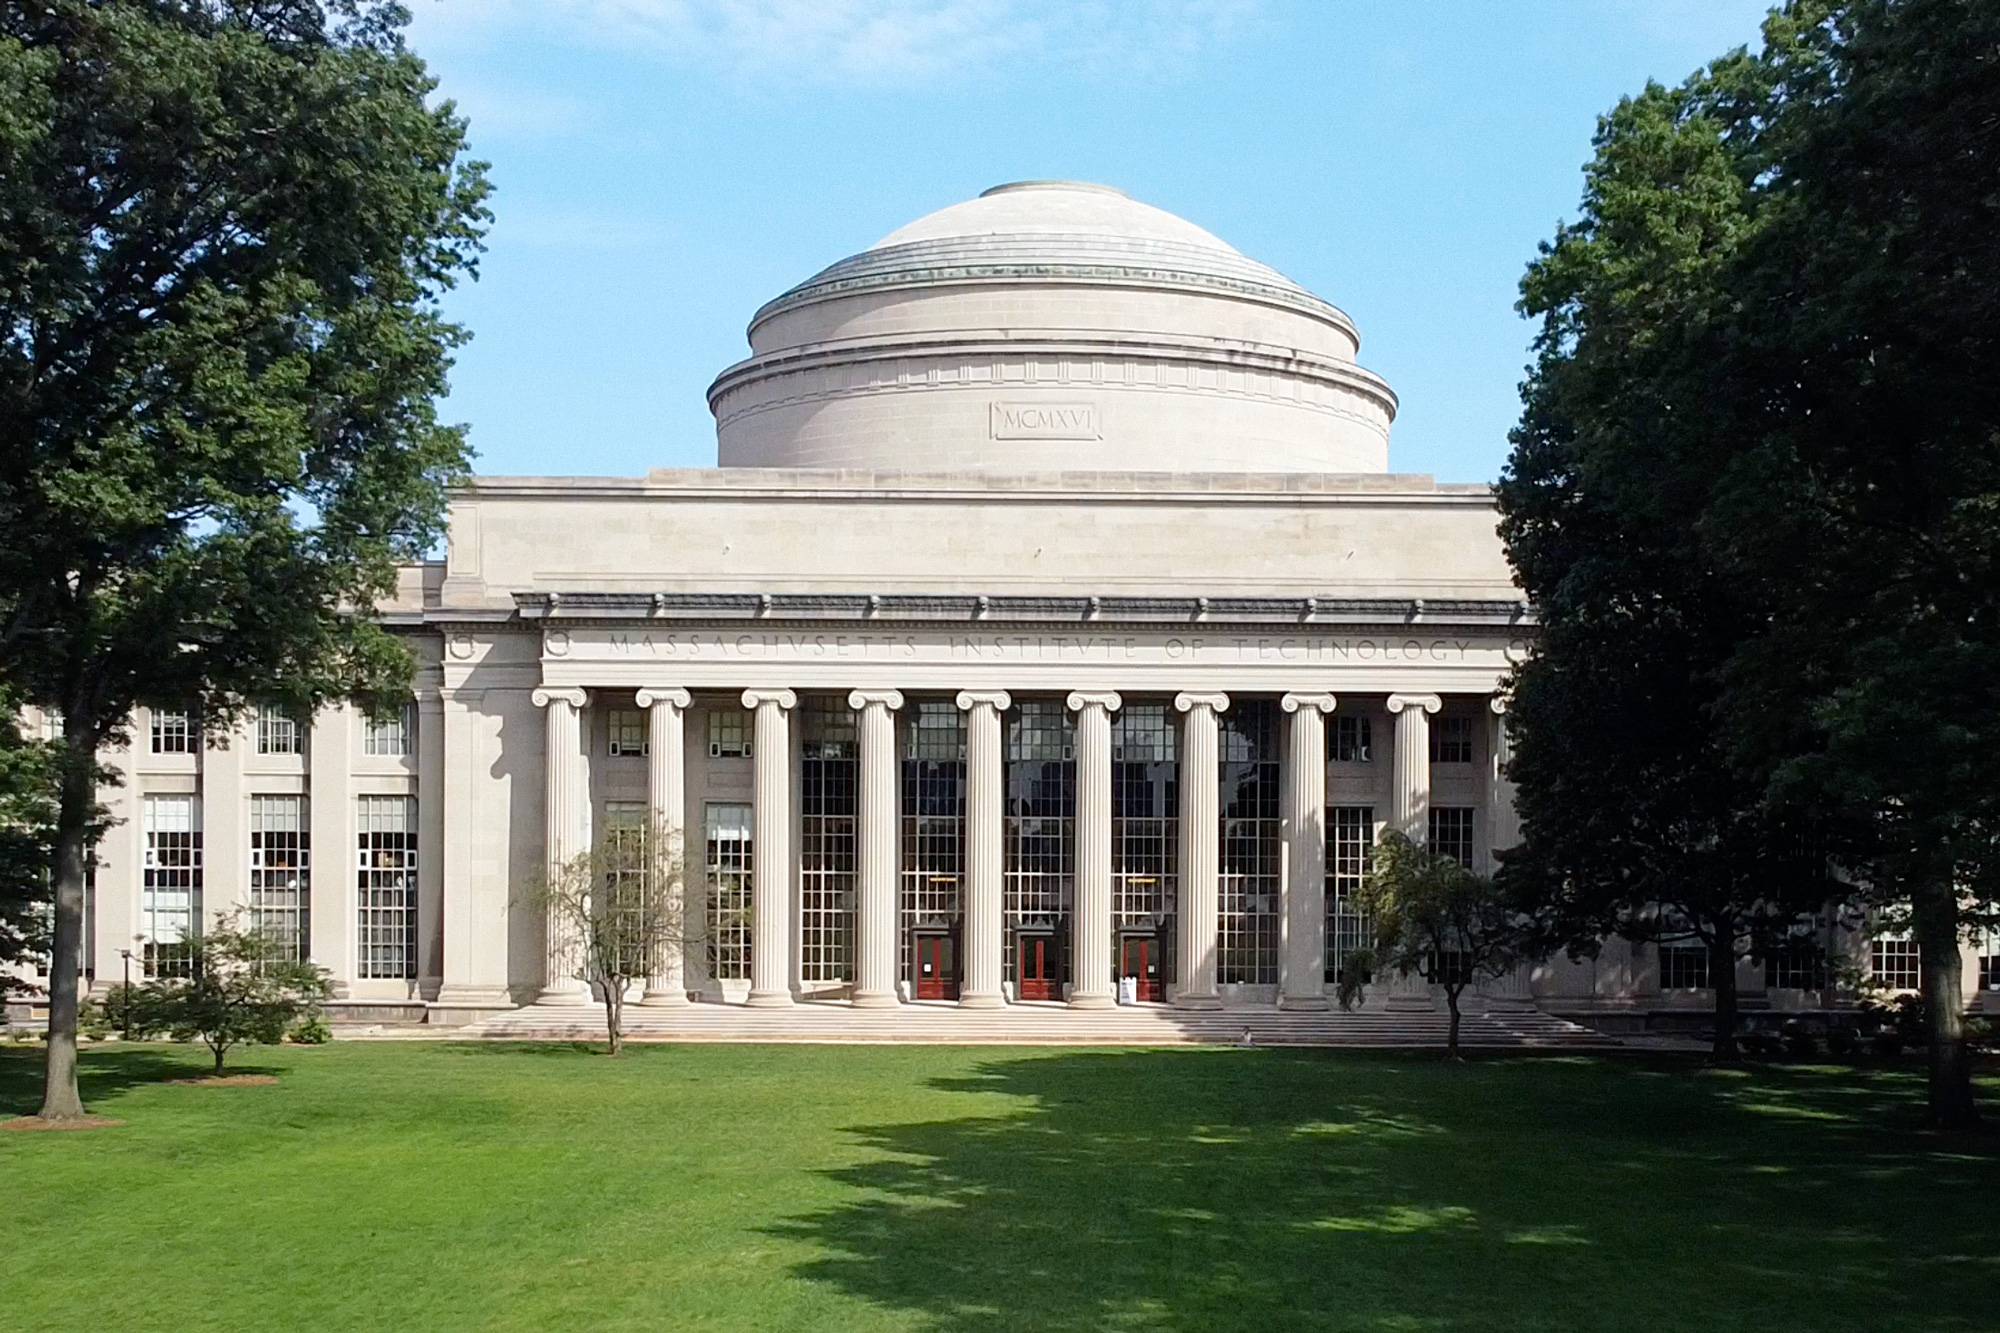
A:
(1051, 619)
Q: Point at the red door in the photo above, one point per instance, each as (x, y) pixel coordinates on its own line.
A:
(1037, 969)
(1139, 958)
(937, 973)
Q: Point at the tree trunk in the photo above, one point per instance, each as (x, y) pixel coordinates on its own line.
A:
(1722, 979)
(60, 1098)
(220, 1051)
(1451, 1032)
(1936, 927)
(614, 1014)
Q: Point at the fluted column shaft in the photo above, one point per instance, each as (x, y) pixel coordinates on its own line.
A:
(1091, 985)
(563, 811)
(771, 847)
(666, 818)
(1302, 974)
(875, 853)
(1201, 831)
(1410, 797)
(985, 828)
(1503, 824)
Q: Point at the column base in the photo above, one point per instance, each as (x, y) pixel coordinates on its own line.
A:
(1410, 1004)
(1197, 1002)
(1100, 1001)
(564, 996)
(676, 998)
(978, 1000)
(876, 999)
(462, 995)
(1316, 1004)
(769, 999)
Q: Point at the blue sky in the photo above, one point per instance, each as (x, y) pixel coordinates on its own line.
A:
(663, 167)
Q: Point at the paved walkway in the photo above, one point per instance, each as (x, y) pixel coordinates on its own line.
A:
(1040, 1024)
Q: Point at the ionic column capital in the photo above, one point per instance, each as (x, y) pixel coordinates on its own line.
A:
(1187, 703)
(1292, 703)
(890, 699)
(671, 695)
(1499, 703)
(1079, 700)
(1430, 703)
(545, 695)
(785, 699)
(998, 700)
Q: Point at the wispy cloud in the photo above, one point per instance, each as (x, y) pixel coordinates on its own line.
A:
(862, 42)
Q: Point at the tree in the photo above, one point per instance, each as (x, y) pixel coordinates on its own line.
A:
(615, 912)
(1635, 819)
(1434, 916)
(27, 831)
(241, 986)
(225, 228)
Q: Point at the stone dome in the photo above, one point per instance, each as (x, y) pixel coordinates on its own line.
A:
(1052, 325)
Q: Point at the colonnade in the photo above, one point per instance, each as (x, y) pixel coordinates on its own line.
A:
(1092, 985)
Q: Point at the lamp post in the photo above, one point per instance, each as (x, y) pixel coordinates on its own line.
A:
(125, 1002)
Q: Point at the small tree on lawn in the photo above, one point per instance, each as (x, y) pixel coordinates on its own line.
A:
(1434, 916)
(617, 911)
(243, 985)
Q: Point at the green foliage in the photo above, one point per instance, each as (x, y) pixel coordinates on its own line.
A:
(226, 229)
(27, 835)
(243, 986)
(1434, 916)
(310, 1031)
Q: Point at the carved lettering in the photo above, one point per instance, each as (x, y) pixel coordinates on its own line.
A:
(1045, 421)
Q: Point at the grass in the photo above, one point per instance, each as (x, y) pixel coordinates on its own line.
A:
(438, 1187)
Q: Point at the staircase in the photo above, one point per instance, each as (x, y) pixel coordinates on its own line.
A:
(1035, 1024)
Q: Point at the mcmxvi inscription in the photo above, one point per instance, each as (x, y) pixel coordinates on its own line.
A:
(1045, 421)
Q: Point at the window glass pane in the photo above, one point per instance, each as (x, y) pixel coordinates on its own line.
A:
(390, 733)
(625, 731)
(170, 895)
(728, 733)
(278, 731)
(1451, 832)
(1350, 835)
(1451, 739)
(730, 879)
(173, 732)
(281, 871)
(386, 856)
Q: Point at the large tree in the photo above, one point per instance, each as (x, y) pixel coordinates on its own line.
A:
(1785, 341)
(27, 836)
(224, 225)
(1635, 820)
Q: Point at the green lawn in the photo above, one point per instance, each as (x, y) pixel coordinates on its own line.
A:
(429, 1187)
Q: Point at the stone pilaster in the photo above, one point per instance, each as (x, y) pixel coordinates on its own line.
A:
(875, 823)
(985, 828)
(563, 809)
(666, 819)
(1201, 832)
(1410, 797)
(771, 848)
(1091, 985)
(1502, 822)
(1302, 959)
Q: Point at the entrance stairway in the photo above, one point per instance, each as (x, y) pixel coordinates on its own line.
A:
(1043, 1025)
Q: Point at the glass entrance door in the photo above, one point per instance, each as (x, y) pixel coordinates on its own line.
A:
(1036, 967)
(1139, 959)
(937, 968)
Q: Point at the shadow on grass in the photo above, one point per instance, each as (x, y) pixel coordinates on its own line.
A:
(1280, 1190)
(105, 1071)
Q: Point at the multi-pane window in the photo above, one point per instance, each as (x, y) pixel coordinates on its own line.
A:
(1684, 965)
(1145, 817)
(51, 724)
(1989, 961)
(1451, 739)
(1352, 740)
(170, 895)
(624, 732)
(1896, 964)
(173, 732)
(278, 730)
(390, 732)
(728, 733)
(1040, 865)
(1246, 935)
(730, 873)
(933, 805)
(281, 872)
(1350, 834)
(1796, 964)
(1451, 832)
(625, 866)
(386, 855)
(829, 772)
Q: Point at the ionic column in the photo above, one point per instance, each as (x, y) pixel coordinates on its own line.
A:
(1201, 831)
(985, 829)
(1503, 824)
(666, 820)
(1302, 959)
(875, 851)
(1410, 797)
(563, 809)
(1091, 985)
(771, 848)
